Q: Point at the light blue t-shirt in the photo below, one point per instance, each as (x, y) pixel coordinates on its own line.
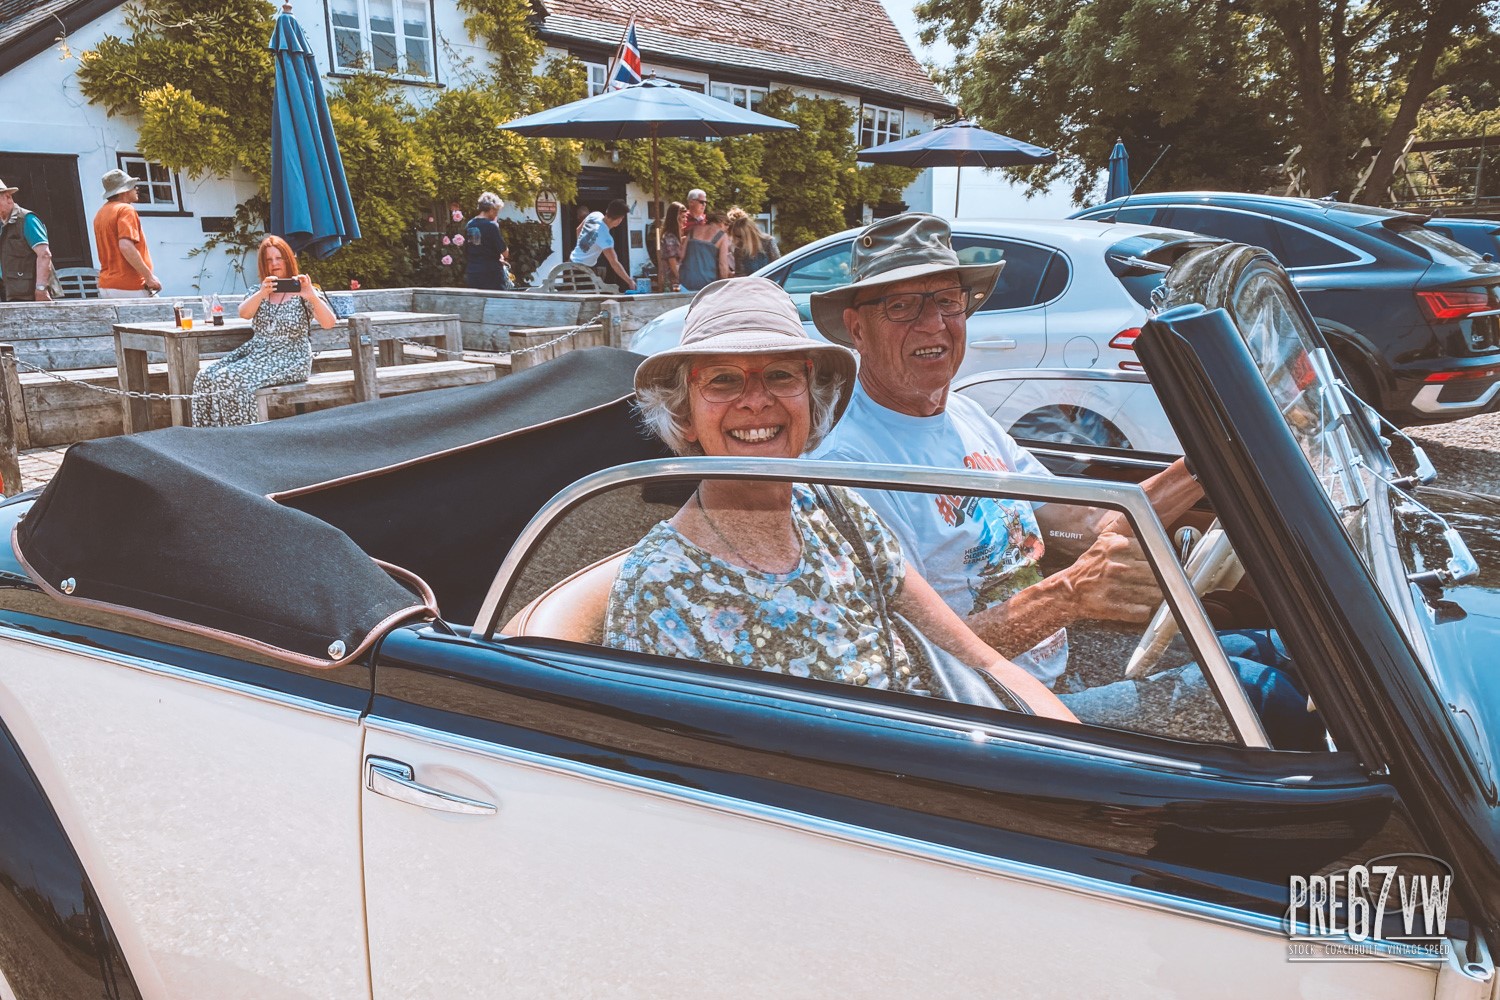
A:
(976, 552)
(593, 240)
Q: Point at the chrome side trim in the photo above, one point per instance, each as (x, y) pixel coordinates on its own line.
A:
(181, 674)
(1426, 400)
(1051, 374)
(1050, 878)
(1129, 499)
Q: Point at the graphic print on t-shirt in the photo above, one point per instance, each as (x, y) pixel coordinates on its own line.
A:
(1008, 544)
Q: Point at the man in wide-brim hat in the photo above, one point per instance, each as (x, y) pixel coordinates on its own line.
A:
(906, 312)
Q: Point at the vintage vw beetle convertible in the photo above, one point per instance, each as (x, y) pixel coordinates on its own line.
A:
(320, 708)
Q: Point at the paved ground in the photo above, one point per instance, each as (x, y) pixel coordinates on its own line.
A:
(38, 466)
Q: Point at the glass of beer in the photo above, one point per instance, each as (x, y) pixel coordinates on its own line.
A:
(187, 317)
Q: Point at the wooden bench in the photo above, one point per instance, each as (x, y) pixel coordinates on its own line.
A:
(533, 346)
(571, 277)
(366, 378)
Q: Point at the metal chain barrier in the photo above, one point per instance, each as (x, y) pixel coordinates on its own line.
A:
(524, 350)
(28, 366)
(108, 391)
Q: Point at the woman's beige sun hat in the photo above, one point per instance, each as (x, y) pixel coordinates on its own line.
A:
(900, 248)
(747, 316)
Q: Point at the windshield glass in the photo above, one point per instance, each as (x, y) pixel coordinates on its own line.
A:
(1296, 367)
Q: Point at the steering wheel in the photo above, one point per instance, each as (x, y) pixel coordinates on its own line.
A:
(1211, 565)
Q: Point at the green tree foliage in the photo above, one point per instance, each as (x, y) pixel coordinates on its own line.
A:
(1231, 85)
(191, 71)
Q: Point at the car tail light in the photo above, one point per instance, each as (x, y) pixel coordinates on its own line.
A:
(1468, 374)
(1125, 341)
(1452, 303)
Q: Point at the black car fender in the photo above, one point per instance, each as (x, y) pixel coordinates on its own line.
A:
(55, 940)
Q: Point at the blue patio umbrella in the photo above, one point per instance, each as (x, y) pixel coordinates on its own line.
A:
(959, 143)
(651, 109)
(310, 204)
(1119, 173)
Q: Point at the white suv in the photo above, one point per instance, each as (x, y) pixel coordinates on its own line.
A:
(1073, 295)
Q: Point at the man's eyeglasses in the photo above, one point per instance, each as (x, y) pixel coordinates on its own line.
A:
(727, 383)
(903, 307)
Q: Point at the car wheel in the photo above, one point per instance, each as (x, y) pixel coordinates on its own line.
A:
(1360, 380)
(1065, 424)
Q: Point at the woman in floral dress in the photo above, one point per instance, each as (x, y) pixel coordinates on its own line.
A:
(279, 350)
(756, 574)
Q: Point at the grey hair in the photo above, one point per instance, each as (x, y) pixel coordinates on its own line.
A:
(664, 408)
(490, 200)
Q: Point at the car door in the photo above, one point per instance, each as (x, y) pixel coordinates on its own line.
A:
(544, 815)
(208, 792)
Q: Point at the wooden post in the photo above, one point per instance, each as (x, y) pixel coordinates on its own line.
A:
(362, 359)
(613, 328)
(10, 432)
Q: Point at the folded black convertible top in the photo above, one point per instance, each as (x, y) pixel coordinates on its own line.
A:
(270, 535)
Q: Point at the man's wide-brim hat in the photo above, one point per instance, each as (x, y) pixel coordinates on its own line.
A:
(747, 316)
(4, 189)
(117, 182)
(900, 248)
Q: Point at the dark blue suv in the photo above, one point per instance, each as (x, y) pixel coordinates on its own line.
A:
(1413, 317)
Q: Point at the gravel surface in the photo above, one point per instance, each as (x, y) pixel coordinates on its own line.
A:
(1465, 452)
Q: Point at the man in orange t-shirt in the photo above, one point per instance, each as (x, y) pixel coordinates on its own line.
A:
(124, 260)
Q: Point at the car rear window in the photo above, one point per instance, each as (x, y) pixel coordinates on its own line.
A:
(1301, 248)
(1020, 282)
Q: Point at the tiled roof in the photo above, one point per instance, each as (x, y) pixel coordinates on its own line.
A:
(850, 44)
(28, 27)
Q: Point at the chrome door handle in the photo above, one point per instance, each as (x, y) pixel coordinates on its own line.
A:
(393, 779)
(1004, 343)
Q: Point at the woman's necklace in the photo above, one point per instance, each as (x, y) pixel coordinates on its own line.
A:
(733, 548)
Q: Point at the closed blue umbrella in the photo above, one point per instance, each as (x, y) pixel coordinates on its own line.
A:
(651, 109)
(959, 143)
(1119, 173)
(310, 204)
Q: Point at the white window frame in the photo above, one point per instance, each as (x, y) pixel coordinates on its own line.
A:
(739, 94)
(400, 39)
(879, 125)
(160, 189)
(597, 75)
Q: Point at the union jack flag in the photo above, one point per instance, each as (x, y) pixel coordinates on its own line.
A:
(627, 62)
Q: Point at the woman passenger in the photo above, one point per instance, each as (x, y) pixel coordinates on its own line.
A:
(755, 574)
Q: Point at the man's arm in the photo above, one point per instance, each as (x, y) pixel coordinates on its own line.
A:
(134, 259)
(43, 272)
(614, 263)
(1110, 581)
(1069, 529)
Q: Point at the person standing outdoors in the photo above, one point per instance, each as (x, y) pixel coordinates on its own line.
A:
(707, 253)
(697, 210)
(124, 259)
(25, 257)
(753, 249)
(596, 246)
(484, 245)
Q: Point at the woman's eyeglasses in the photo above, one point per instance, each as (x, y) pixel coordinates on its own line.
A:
(727, 383)
(903, 307)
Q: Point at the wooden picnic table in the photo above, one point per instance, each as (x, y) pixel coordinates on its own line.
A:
(136, 342)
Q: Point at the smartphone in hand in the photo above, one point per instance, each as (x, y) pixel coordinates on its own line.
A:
(288, 285)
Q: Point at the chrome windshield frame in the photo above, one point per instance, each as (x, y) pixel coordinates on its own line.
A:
(1127, 499)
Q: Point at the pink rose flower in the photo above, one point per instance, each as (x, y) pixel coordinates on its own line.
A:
(446, 241)
(458, 240)
(458, 216)
(353, 284)
(447, 260)
(429, 218)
